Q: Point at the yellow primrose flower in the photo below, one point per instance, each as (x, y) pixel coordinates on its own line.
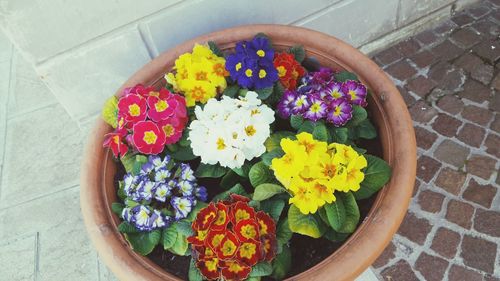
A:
(303, 196)
(198, 91)
(313, 147)
(330, 170)
(292, 163)
(354, 175)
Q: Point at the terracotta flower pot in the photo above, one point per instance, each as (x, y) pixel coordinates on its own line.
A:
(388, 111)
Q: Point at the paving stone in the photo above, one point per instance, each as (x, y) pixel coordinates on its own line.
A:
(439, 70)
(452, 153)
(481, 166)
(407, 47)
(451, 180)
(460, 213)
(387, 255)
(494, 102)
(460, 273)
(423, 59)
(447, 51)
(446, 125)
(483, 73)
(427, 168)
(471, 134)
(475, 91)
(492, 144)
(488, 50)
(399, 271)
(451, 104)
(388, 56)
(415, 229)
(430, 201)
(28, 92)
(488, 277)
(487, 29)
(401, 70)
(452, 81)
(422, 112)
(468, 61)
(425, 138)
(477, 114)
(421, 86)
(478, 253)
(407, 97)
(462, 19)
(495, 125)
(487, 222)
(478, 11)
(445, 242)
(480, 194)
(426, 38)
(18, 258)
(496, 82)
(431, 267)
(445, 27)
(465, 38)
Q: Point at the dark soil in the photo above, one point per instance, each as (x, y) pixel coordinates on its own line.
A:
(306, 251)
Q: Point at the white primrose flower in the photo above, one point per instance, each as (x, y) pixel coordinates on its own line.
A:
(230, 131)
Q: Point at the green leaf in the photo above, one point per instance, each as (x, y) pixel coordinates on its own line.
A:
(243, 92)
(282, 264)
(110, 111)
(210, 171)
(358, 115)
(273, 141)
(307, 126)
(184, 139)
(144, 242)
(283, 232)
(268, 157)
(237, 189)
(139, 161)
(335, 236)
(267, 190)
(231, 91)
(117, 208)
(256, 278)
(259, 174)
(351, 212)
(215, 49)
(125, 227)
(184, 227)
(229, 179)
(273, 207)
(366, 130)
(264, 93)
(320, 132)
(308, 225)
(339, 135)
(180, 246)
(344, 75)
(169, 235)
(298, 52)
(128, 162)
(377, 174)
(278, 91)
(261, 269)
(296, 121)
(193, 273)
(184, 153)
(243, 170)
(335, 214)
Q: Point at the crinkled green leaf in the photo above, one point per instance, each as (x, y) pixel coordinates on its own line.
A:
(366, 130)
(236, 189)
(359, 114)
(308, 225)
(231, 91)
(339, 135)
(125, 227)
(264, 93)
(169, 235)
(283, 232)
(282, 264)
(344, 75)
(273, 207)
(194, 273)
(268, 157)
(180, 246)
(117, 208)
(267, 190)
(259, 174)
(298, 52)
(209, 171)
(320, 132)
(183, 153)
(261, 269)
(144, 242)
(351, 212)
(243, 170)
(377, 174)
(335, 214)
(296, 121)
(215, 49)
(229, 179)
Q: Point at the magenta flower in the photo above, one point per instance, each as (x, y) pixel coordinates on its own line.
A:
(300, 104)
(161, 108)
(317, 110)
(286, 104)
(340, 111)
(333, 91)
(355, 92)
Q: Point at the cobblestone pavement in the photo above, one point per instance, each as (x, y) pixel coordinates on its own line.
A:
(450, 79)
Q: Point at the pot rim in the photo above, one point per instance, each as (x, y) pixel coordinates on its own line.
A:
(369, 239)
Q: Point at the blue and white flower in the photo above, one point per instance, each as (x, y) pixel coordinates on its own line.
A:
(182, 206)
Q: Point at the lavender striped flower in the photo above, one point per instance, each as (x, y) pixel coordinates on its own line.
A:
(340, 112)
(355, 92)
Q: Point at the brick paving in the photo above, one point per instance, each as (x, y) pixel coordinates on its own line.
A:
(450, 79)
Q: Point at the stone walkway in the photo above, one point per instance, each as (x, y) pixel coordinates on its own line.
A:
(450, 80)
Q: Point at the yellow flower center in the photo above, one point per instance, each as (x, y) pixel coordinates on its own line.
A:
(161, 105)
(336, 94)
(169, 130)
(208, 217)
(250, 130)
(198, 93)
(221, 218)
(254, 112)
(202, 75)
(237, 66)
(234, 267)
(241, 215)
(202, 234)
(248, 73)
(262, 73)
(315, 108)
(330, 170)
(281, 71)
(154, 94)
(263, 227)
(228, 248)
(261, 53)
(116, 139)
(217, 239)
(219, 69)
(248, 250)
(134, 110)
(220, 144)
(150, 137)
(338, 111)
(211, 265)
(288, 158)
(353, 95)
(248, 231)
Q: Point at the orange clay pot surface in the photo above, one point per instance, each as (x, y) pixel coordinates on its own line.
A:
(388, 112)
